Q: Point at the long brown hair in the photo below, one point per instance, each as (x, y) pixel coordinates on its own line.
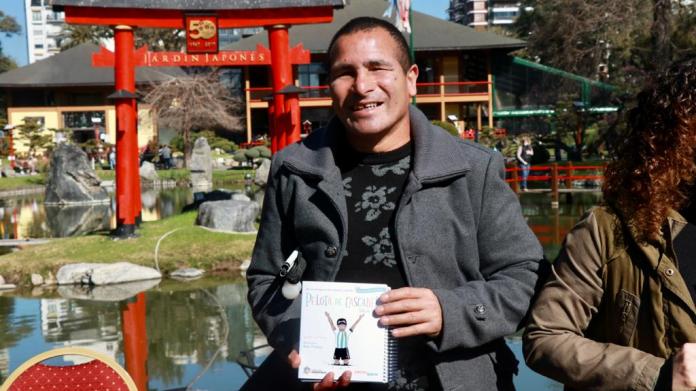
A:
(656, 165)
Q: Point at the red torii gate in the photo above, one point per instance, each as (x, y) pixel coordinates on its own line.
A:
(276, 16)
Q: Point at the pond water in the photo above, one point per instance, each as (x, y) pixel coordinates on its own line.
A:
(196, 331)
(27, 216)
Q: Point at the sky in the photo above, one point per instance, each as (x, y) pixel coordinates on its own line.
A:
(16, 45)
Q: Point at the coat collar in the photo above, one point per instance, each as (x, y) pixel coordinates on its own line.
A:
(437, 155)
(661, 258)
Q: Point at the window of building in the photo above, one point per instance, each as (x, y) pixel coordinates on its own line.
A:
(313, 75)
(38, 46)
(505, 15)
(85, 125)
(83, 120)
(36, 3)
(41, 121)
(36, 16)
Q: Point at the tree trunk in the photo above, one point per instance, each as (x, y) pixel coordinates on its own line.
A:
(660, 33)
(187, 148)
(187, 142)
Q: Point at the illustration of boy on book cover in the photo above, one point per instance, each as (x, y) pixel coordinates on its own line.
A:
(341, 352)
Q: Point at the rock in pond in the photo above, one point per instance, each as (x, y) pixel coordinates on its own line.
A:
(188, 273)
(231, 215)
(36, 279)
(148, 172)
(104, 273)
(71, 179)
(118, 292)
(74, 220)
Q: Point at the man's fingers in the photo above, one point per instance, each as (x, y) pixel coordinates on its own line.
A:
(294, 359)
(327, 383)
(401, 306)
(344, 380)
(417, 329)
(403, 293)
(408, 318)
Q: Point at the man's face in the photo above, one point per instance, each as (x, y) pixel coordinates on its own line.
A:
(341, 327)
(371, 92)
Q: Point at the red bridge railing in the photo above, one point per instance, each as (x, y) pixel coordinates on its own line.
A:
(554, 174)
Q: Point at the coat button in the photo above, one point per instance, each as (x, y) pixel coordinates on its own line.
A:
(480, 309)
(669, 272)
(331, 251)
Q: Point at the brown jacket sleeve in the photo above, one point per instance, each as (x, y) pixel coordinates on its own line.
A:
(554, 341)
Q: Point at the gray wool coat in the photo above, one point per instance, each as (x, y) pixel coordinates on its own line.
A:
(459, 229)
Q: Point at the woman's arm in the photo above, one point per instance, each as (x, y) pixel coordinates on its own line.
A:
(554, 341)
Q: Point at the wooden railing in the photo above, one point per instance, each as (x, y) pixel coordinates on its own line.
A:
(554, 175)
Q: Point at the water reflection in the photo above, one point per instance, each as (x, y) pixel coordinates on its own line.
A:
(28, 217)
(64, 221)
(165, 338)
(551, 225)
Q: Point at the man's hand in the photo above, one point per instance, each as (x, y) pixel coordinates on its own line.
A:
(684, 368)
(410, 311)
(327, 383)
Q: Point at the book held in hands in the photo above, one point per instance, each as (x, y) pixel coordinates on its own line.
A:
(339, 332)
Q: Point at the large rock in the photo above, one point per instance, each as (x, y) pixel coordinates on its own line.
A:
(201, 165)
(104, 273)
(118, 292)
(71, 179)
(75, 220)
(148, 172)
(231, 215)
(262, 172)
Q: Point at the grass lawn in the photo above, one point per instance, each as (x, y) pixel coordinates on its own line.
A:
(179, 175)
(189, 246)
(21, 182)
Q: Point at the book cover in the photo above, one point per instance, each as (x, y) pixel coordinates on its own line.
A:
(339, 332)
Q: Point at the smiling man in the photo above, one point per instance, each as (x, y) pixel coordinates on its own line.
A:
(381, 195)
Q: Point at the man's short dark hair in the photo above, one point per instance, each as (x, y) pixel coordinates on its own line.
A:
(341, 321)
(367, 23)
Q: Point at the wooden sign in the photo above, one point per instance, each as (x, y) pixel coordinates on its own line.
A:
(146, 58)
(201, 34)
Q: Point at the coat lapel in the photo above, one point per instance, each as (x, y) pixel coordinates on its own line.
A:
(661, 257)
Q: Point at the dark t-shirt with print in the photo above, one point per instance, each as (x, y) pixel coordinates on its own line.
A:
(373, 184)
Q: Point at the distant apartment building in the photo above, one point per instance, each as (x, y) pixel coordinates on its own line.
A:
(44, 29)
(483, 13)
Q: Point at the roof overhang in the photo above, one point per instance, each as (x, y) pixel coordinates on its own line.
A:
(203, 5)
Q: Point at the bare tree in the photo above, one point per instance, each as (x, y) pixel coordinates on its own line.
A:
(194, 102)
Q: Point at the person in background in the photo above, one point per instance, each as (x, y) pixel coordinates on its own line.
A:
(524, 157)
(112, 158)
(617, 312)
(165, 154)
